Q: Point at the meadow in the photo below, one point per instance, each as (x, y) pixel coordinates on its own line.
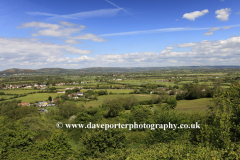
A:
(32, 98)
(194, 105)
(19, 91)
(139, 97)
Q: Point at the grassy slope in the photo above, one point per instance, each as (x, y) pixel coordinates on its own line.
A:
(193, 105)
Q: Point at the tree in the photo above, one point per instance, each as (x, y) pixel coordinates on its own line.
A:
(68, 109)
(141, 114)
(172, 102)
(129, 102)
(50, 98)
(103, 141)
(14, 139)
(57, 147)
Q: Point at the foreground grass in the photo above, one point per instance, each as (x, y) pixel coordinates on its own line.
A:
(193, 105)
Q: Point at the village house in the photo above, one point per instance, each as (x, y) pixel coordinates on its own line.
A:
(61, 92)
(42, 104)
(74, 94)
(75, 97)
(24, 104)
(79, 93)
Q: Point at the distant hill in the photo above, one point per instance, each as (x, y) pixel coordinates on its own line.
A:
(102, 69)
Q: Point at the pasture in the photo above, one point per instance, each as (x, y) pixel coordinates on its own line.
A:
(193, 105)
(31, 98)
(19, 91)
(139, 97)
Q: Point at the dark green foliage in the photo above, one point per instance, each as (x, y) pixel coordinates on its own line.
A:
(102, 141)
(140, 115)
(13, 139)
(172, 102)
(2, 93)
(13, 111)
(67, 109)
(195, 91)
(50, 98)
(57, 147)
(129, 102)
(115, 107)
(75, 90)
(102, 92)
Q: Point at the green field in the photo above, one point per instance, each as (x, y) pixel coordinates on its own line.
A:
(38, 97)
(112, 90)
(134, 82)
(19, 91)
(193, 105)
(5, 96)
(140, 97)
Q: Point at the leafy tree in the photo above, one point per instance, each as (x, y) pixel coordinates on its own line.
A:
(172, 102)
(14, 139)
(129, 102)
(50, 98)
(140, 115)
(103, 141)
(67, 109)
(115, 107)
(57, 147)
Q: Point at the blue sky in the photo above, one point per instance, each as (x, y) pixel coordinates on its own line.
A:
(118, 33)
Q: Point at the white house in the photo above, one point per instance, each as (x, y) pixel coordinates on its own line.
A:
(79, 93)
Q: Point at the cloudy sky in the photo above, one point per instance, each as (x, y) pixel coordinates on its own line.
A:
(118, 33)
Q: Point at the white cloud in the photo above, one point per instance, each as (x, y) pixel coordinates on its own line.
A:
(186, 45)
(169, 48)
(64, 29)
(54, 30)
(208, 33)
(80, 15)
(89, 36)
(153, 31)
(160, 31)
(27, 53)
(238, 13)
(72, 41)
(192, 15)
(223, 14)
(69, 24)
(227, 27)
(18, 51)
(213, 29)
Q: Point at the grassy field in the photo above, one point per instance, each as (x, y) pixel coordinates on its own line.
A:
(37, 97)
(5, 96)
(134, 82)
(193, 105)
(112, 90)
(140, 97)
(18, 91)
